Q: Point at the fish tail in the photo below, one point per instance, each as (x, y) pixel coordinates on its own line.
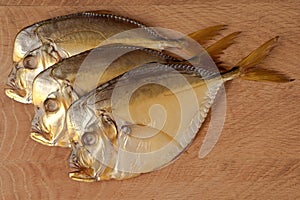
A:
(184, 45)
(217, 48)
(202, 36)
(247, 68)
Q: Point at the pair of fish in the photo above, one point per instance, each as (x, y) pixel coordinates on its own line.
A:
(107, 141)
(45, 43)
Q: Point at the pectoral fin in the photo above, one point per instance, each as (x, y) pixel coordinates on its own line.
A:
(143, 149)
(143, 139)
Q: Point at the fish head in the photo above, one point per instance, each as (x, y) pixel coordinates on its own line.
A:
(23, 73)
(26, 59)
(91, 133)
(21, 77)
(51, 98)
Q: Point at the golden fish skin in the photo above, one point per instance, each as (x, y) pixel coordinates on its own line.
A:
(57, 87)
(47, 42)
(116, 137)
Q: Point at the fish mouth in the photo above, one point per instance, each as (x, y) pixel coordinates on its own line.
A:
(15, 92)
(17, 95)
(79, 176)
(41, 137)
(46, 138)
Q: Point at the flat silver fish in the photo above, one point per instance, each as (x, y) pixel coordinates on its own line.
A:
(47, 42)
(145, 118)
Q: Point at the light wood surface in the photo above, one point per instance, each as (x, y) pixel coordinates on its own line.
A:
(258, 153)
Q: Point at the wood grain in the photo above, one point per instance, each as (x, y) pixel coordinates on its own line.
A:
(258, 153)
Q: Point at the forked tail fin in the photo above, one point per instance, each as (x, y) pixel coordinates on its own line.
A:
(203, 35)
(216, 49)
(249, 70)
(200, 36)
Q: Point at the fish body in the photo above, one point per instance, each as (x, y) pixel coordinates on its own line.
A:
(130, 126)
(57, 87)
(47, 42)
(124, 127)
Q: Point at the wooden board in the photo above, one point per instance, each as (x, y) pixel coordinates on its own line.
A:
(258, 153)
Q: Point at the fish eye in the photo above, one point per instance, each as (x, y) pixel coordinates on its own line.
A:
(89, 138)
(30, 62)
(51, 105)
